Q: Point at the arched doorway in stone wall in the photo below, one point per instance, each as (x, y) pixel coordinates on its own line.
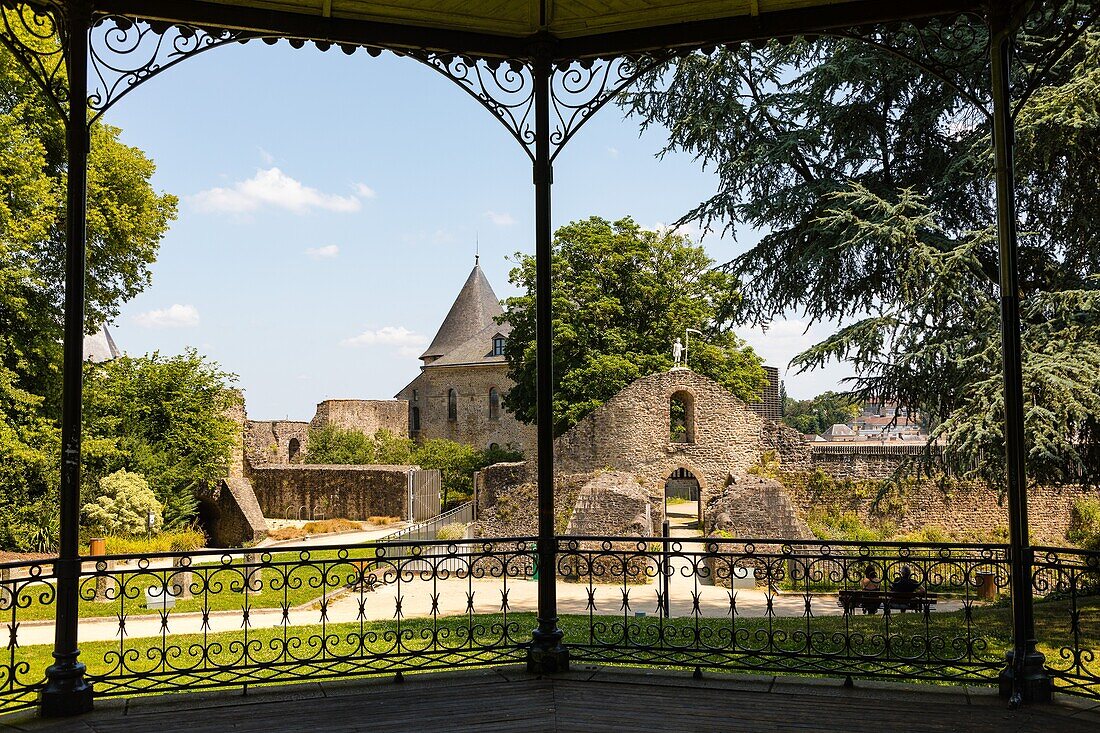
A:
(683, 495)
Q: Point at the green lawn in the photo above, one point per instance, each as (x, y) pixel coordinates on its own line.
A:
(219, 586)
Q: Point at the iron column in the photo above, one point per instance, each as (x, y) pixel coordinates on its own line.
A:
(66, 692)
(1024, 678)
(547, 655)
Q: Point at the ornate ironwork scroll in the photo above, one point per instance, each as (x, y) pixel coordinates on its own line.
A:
(954, 50)
(1046, 37)
(506, 88)
(579, 89)
(34, 32)
(125, 52)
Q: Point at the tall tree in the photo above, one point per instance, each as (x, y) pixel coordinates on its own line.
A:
(621, 296)
(873, 180)
(126, 220)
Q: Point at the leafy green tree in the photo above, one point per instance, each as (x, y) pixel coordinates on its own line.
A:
(126, 221)
(820, 413)
(123, 505)
(166, 418)
(874, 182)
(621, 296)
(335, 446)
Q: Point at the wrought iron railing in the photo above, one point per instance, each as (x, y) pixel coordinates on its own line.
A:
(237, 618)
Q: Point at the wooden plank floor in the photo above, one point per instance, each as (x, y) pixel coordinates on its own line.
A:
(584, 701)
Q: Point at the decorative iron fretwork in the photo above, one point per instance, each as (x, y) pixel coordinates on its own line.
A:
(579, 89)
(231, 618)
(1045, 38)
(124, 52)
(506, 88)
(1070, 579)
(801, 606)
(34, 33)
(953, 50)
(27, 592)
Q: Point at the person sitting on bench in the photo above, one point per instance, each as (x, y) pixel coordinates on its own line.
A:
(870, 584)
(905, 583)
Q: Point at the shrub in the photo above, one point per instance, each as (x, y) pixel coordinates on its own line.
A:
(183, 540)
(1084, 523)
(123, 505)
(453, 531)
(328, 526)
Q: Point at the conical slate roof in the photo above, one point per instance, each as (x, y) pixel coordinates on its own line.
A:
(472, 312)
(100, 347)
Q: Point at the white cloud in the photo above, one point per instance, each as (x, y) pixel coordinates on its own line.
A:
(689, 230)
(613, 152)
(500, 219)
(389, 335)
(266, 157)
(271, 188)
(365, 191)
(327, 252)
(174, 316)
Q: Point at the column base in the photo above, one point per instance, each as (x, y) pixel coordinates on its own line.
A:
(1034, 686)
(66, 693)
(547, 661)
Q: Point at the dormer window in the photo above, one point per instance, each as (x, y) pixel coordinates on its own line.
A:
(498, 346)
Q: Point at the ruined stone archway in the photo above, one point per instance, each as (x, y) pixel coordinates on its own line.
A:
(684, 489)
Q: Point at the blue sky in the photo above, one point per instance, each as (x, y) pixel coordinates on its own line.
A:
(329, 210)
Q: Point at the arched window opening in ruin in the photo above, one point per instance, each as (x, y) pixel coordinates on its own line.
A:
(494, 446)
(294, 451)
(414, 420)
(494, 404)
(452, 404)
(681, 418)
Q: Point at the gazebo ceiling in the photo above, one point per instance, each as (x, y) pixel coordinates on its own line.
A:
(580, 28)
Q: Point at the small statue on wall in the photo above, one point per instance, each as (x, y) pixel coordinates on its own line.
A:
(677, 352)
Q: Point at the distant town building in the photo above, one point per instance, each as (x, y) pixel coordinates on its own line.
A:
(886, 420)
(460, 390)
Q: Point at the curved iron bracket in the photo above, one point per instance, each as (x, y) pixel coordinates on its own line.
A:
(35, 35)
(1064, 22)
(124, 53)
(506, 88)
(949, 50)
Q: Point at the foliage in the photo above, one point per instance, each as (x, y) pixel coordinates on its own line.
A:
(621, 296)
(126, 220)
(182, 540)
(336, 446)
(1084, 524)
(123, 505)
(454, 531)
(164, 417)
(874, 182)
(456, 462)
(815, 416)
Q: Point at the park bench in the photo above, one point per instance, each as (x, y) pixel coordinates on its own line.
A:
(870, 601)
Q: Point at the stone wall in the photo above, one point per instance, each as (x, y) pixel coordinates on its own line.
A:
(268, 442)
(630, 432)
(473, 425)
(492, 480)
(963, 510)
(237, 414)
(230, 514)
(862, 460)
(351, 492)
(615, 503)
(757, 508)
(366, 416)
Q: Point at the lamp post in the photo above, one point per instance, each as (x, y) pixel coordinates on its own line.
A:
(687, 341)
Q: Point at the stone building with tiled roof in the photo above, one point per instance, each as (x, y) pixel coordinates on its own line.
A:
(459, 392)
